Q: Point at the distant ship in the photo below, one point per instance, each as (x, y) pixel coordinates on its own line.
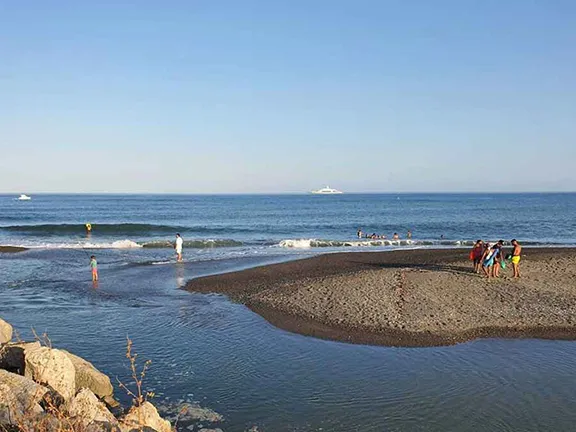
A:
(326, 191)
(24, 197)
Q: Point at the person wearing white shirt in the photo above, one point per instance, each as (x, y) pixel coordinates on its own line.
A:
(178, 247)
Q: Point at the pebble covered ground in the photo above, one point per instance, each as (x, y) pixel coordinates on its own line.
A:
(409, 298)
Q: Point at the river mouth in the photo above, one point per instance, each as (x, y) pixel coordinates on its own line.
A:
(207, 349)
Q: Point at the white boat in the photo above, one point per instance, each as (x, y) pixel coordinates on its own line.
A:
(326, 191)
(24, 197)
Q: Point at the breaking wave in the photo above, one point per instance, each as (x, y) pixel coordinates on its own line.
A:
(318, 243)
(194, 244)
(122, 229)
(129, 244)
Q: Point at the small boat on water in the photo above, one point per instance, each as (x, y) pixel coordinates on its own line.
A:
(326, 191)
(24, 197)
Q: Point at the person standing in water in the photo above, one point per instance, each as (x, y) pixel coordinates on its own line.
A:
(359, 233)
(395, 237)
(94, 267)
(516, 258)
(409, 235)
(178, 247)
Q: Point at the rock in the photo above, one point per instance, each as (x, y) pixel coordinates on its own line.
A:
(86, 409)
(5, 331)
(195, 412)
(19, 397)
(12, 355)
(87, 376)
(52, 367)
(144, 418)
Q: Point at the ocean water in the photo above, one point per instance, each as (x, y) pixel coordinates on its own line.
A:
(207, 349)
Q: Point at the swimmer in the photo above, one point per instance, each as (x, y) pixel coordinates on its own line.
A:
(396, 237)
(409, 235)
(88, 228)
(359, 233)
(516, 252)
(178, 247)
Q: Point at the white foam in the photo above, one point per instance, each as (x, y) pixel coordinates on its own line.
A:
(118, 244)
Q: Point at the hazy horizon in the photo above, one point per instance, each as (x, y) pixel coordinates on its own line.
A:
(284, 97)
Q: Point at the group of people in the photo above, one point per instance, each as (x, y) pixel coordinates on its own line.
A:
(375, 236)
(490, 258)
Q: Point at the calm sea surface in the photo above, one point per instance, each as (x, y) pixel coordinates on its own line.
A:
(206, 349)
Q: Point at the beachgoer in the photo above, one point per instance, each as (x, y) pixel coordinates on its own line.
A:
(178, 247)
(359, 233)
(373, 236)
(487, 260)
(516, 252)
(409, 234)
(498, 257)
(88, 227)
(476, 255)
(395, 237)
(441, 236)
(94, 267)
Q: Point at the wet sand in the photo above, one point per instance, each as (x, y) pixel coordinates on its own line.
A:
(408, 298)
(12, 249)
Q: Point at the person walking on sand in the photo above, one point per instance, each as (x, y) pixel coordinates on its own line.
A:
(516, 252)
(178, 247)
(476, 255)
(94, 267)
(487, 260)
(498, 257)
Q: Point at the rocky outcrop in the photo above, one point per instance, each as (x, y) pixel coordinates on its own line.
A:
(51, 367)
(42, 388)
(87, 376)
(12, 355)
(86, 409)
(144, 417)
(19, 397)
(5, 331)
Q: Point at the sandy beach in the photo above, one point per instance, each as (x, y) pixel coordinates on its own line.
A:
(409, 298)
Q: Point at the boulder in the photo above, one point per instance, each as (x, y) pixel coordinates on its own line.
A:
(196, 412)
(52, 367)
(87, 376)
(144, 418)
(86, 409)
(5, 331)
(19, 397)
(12, 355)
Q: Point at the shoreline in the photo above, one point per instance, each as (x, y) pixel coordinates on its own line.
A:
(409, 298)
(12, 249)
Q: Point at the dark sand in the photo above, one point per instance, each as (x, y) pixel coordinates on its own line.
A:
(12, 249)
(409, 298)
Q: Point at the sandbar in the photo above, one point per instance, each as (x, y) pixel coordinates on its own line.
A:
(408, 298)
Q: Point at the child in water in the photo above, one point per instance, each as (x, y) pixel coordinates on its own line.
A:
(94, 267)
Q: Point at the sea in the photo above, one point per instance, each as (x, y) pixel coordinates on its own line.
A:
(207, 350)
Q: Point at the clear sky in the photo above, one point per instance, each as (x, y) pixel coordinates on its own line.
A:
(207, 96)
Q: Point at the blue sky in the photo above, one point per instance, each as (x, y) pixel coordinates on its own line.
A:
(286, 96)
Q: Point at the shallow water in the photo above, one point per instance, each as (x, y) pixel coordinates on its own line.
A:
(207, 349)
